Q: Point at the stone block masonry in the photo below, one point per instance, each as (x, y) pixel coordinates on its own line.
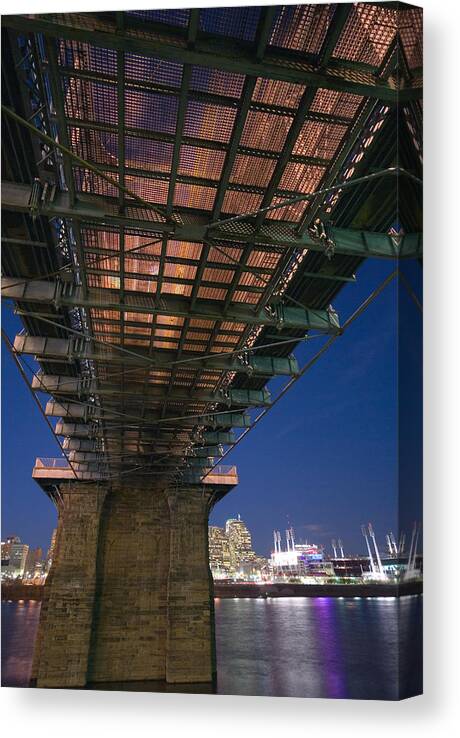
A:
(63, 639)
(129, 594)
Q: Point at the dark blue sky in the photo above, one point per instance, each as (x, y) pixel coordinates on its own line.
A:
(324, 460)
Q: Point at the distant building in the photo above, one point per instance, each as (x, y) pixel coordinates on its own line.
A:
(231, 554)
(219, 553)
(51, 550)
(34, 563)
(14, 557)
(240, 542)
(299, 560)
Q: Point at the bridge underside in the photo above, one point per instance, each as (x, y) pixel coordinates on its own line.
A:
(184, 195)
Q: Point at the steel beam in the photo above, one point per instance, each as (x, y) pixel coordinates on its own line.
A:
(277, 316)
(71, 349)
(212, 53)
(64, 386)
(100, 210)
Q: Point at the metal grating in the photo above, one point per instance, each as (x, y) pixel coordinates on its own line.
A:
(183, 168)
(277, 92)
(265, 131)
(240, 23)
(173, 17)
(183, 250)
(100, 147)
(197, 162)
(93, 238)
(85, 57)
(150, 111)
(194, 196)
(367, 34)
(252, 170)
(241, 202)
(216, 81)
(224, 255)
(301, 27)
(319, 140)
(152, 70)
(212, 293)
(152, 190)
(87, 181)
(142, 153)
(291, 213)
(209, 122)
(93, 101)
(410, 26)
(332, 102)
(218, 275)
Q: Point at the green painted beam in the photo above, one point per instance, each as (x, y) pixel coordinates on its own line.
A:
(211, 53)
(210, 437)
(64, 386)
(99, 210)
(68, 350)
(277, 316)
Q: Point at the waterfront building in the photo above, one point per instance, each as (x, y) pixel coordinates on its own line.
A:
(240, 542)
(219, 553)
(350, 567)
(14, 557)
(34, 563)
(50, 554)
(299, 560)
(231, 554)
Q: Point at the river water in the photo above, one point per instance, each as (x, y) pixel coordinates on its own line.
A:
(287, 647)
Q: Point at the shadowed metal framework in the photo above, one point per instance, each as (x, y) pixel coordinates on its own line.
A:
(184, 193)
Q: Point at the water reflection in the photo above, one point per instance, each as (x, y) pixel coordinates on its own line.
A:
(319, 647)
(289, 647)
(19, 626)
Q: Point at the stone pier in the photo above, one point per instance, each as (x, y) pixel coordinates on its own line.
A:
(129, 594)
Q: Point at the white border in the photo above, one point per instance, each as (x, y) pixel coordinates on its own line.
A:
(52, 712)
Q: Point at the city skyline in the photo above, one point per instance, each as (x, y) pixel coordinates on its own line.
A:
(352, 385)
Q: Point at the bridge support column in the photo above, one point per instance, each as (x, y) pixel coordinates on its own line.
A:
(130, 615)
(63, 640)
(129, 596)
(190, 651)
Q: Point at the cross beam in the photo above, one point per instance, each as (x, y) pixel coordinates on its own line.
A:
(61, 385)
(278, 316)
(70, 349)
(101, 210)
(211, 54)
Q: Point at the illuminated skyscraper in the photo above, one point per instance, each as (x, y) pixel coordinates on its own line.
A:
(219, 552)
(50, 554)
(240, 542)
(34, 563)
(230, 552)
(14, 556)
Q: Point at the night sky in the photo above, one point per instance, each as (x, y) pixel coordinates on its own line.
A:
(324, 459)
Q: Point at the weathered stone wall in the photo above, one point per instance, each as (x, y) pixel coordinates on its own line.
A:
(129, 595)
(61, 652)
(129, 631)
(190, 648)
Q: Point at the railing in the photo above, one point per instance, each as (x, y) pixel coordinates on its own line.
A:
(52, 468)
(222, 474)
(59, 468)
(44, 462)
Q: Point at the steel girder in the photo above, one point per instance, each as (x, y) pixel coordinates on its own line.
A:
(70, 296)
(205, 53)
(62, 385)
(70, 349)
(68, 411)
(98, 209)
